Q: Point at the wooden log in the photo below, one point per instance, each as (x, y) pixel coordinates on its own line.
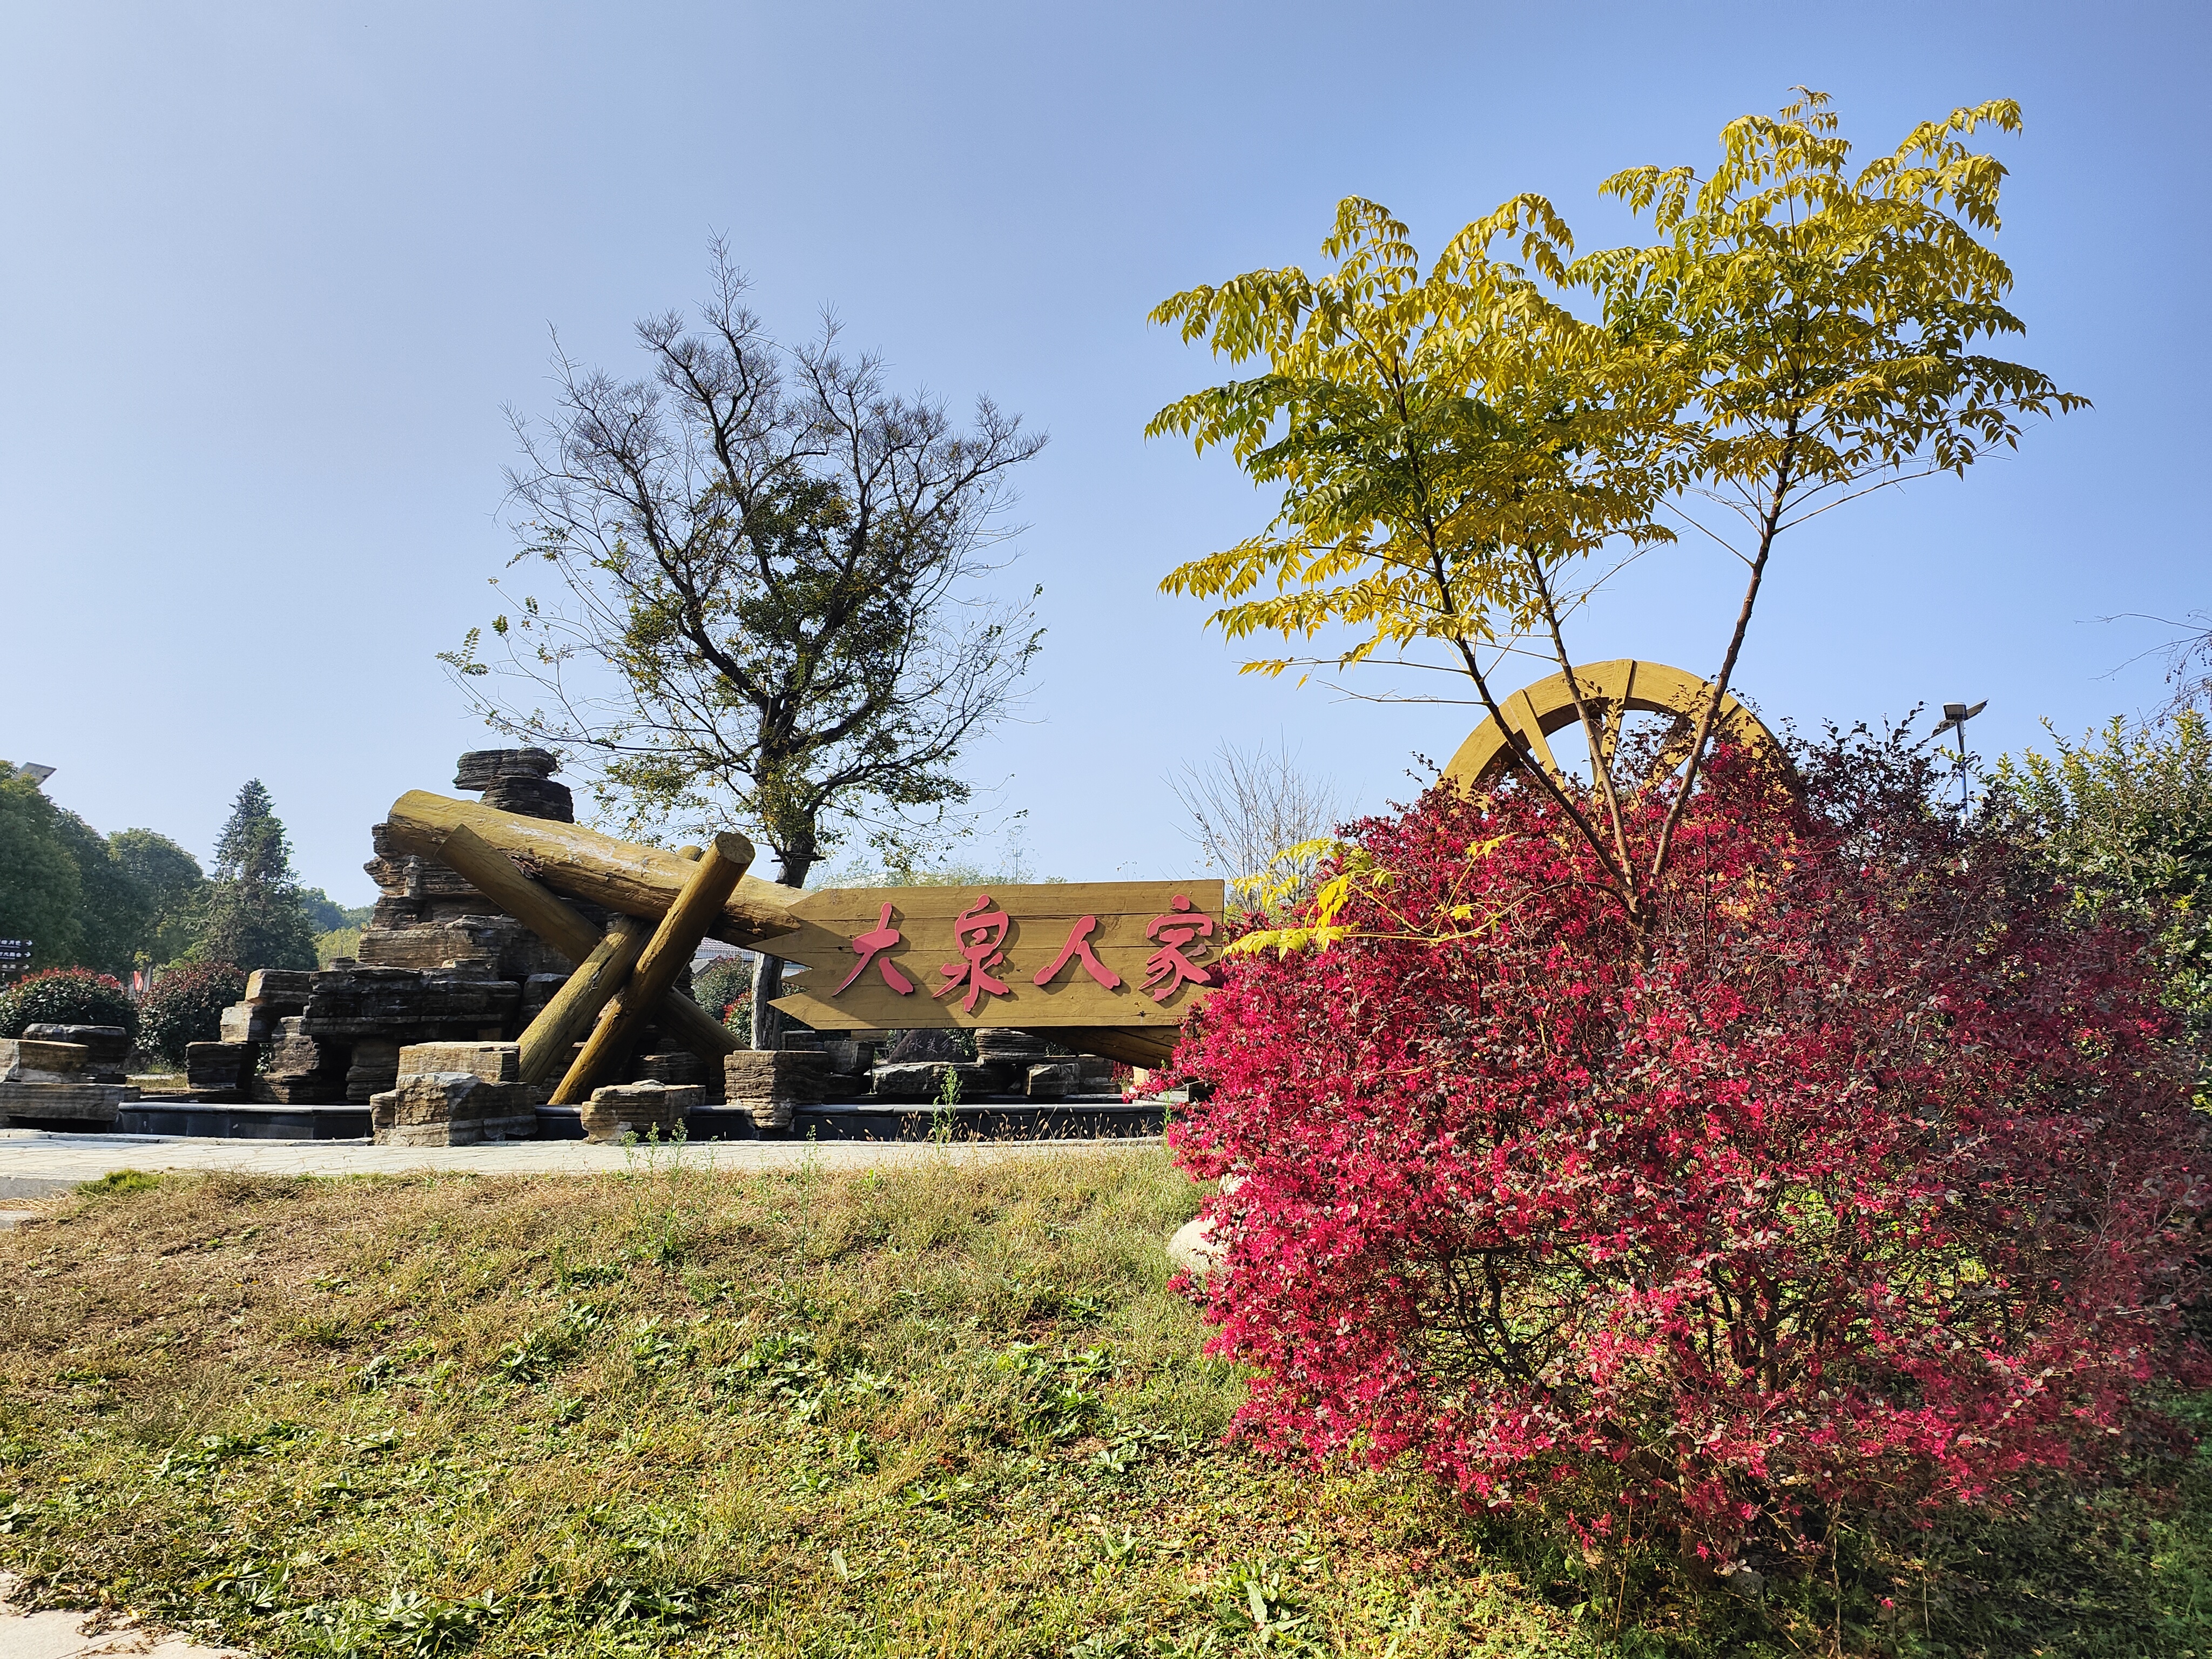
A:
(698, 904)
(494, 875)
(638, 881)
(563, 1022)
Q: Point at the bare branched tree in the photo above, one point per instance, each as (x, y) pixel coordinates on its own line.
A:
(1248, 805)
(766, 602)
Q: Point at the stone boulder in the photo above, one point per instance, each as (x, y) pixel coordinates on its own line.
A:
(923, 1080)
(452, 1109)
(220, 1070)
(773, 1084)
(71, 1106)
(29, 1060)
(106, 1047)
(645, 1110)
(1055, 1080)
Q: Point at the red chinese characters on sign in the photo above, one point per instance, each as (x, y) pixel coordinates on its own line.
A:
(871, 944)
(1078, 948)
(1174, 932)
(979, 933)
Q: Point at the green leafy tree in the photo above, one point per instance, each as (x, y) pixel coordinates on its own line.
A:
(328, 915)
(39, 886)
(256, 915)
(767, 603)
(2125, 817)
(1456, 447)
(114, 913)
(174, 885)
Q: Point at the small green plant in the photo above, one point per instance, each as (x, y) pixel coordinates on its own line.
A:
(120, 1180)
(941, 1110)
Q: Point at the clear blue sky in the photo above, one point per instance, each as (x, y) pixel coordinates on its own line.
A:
(269, 273)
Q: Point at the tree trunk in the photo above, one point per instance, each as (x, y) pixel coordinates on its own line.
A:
(768, 971)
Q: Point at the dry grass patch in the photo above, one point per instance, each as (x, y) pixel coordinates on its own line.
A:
(939, 1409)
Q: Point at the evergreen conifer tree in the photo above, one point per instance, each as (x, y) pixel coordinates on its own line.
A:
(256, 917)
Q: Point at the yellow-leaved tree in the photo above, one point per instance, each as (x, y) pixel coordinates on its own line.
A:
(1464, 457)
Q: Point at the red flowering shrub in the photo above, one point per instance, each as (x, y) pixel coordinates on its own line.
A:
(1864, 1180)
(66, 996)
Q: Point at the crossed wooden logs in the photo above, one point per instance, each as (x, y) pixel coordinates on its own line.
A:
(624, 978)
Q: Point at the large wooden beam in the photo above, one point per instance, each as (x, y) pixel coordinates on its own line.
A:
(682, 926)
(568, 1018)
(638, 881)
(492, 873)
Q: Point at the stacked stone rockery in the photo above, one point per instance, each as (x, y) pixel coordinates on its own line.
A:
(439, 964)
(428, 916)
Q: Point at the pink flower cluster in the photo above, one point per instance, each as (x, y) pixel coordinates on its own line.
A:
(1861, 1174)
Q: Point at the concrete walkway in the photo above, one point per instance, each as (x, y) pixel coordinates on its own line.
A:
(63, 1636)
(34, 1164)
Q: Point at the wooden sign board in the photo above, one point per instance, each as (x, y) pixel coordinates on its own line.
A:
(1054, 955)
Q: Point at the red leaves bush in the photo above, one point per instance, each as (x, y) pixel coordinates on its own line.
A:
(1865, 1180)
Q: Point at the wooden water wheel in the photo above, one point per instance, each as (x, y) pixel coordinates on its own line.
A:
(1612, 691)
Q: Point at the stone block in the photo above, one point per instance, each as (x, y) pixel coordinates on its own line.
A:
(308, 1089)
(293, 1053)
(642, 1108)
(923, 1080)
(848, 1056)
(479, 768)
(218, 1067)
(678, 1065)
(400, 1005)
(287, 986)
(532, 798)
(374, 1069)
(1015, 1047)
(106, 1047)
(67, 1105)
(1054, 1080)
(495, 1062)
(243, 1023)
(471, 942)
(451, 1108)
(28, 1060)
(772, 1086)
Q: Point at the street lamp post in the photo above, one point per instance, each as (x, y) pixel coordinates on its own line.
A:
(1955, 716)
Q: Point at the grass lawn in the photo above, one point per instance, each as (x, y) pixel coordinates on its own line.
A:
(947, 1409)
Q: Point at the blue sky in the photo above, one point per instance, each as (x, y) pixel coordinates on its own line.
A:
(269, 275)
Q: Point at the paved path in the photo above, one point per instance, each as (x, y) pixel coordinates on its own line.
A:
(63, 1636)
(34, 1164)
